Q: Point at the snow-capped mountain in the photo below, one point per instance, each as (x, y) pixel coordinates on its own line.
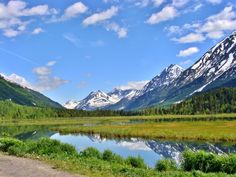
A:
(71, 104)
(101, 100)
(216, 68)
(165, 78)
(96, 100)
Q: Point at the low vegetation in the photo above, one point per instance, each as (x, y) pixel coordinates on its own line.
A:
(202, 130)
(91, 162)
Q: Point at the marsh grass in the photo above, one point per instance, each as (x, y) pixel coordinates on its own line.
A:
(222, 131)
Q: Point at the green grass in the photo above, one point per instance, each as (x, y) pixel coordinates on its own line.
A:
(219, 127)
(91, 162)
(224, 131)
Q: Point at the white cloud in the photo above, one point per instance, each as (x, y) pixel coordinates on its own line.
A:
(100, 17)
(121, 32)
(213, 27)
(142, 3)
(12, 16)
(167, 13)
(186, 62)
(190, 38)
(42, 71)
(157, 3)
(215, 1)
(179, 3)
(37, 31)
(138, 85)
(51, 63)
(188, 52)
(215, 34)
(11, 32)
(218, 23)
(74, 10)
(45, 80)
(46, 83)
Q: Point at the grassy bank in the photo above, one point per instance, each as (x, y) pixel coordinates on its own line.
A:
(108, 120)
(203, 130)
(91, 162)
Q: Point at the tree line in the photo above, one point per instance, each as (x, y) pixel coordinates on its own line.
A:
(222, 100)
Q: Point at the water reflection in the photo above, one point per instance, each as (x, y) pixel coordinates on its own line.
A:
(150, 150)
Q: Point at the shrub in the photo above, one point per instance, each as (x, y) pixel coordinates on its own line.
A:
(91, 152)
(18, 150)
(208, 162)
(6, 143)
(166, 165)
(136, 162)
(229, 164)
(108, 155)
(46, 146)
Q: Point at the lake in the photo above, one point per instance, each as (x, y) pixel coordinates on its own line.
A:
(149, 149)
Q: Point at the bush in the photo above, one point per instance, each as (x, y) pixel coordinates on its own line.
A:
(136, 162)
(18, 150)
(166, 165)
(91, 152)
(46, 146)
(111, 157)
(6, 143)
(208, 162)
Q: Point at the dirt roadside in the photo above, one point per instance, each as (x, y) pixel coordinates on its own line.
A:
(21, 167)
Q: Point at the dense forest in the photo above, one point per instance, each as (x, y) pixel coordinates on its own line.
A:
(222, 100)
(8, 109)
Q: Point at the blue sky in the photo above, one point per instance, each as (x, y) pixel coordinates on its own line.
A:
(66, 49)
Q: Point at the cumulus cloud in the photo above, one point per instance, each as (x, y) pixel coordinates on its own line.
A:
(12, 21)
(45, 80)
(100, 17)
(167, 13)
(190, 38)
(37, 31)
(138, 85)
(218, 23)
(213, 27)
(120, 31)
(188, 52)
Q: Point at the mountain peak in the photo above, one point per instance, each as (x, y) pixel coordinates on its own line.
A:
(165, 78)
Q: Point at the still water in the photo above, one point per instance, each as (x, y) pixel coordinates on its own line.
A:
(150, 150)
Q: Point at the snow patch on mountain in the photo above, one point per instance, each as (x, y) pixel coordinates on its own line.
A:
(71, 104)
(164, 79)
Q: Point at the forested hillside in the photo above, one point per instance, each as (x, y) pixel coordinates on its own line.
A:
(24, 96)
(10, 110)
(221, 100)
